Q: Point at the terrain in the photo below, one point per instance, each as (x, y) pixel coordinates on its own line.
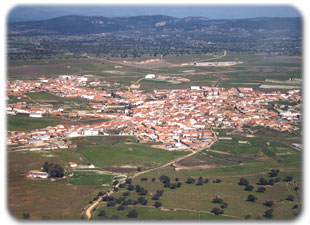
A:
(120, 176)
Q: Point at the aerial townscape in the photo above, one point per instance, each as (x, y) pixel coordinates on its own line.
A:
(154, 117)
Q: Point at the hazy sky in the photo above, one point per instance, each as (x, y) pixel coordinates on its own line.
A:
(22, 13)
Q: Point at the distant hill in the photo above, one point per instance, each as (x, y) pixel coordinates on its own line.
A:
(75, 24)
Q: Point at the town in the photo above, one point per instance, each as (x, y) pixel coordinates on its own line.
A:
(181, 119)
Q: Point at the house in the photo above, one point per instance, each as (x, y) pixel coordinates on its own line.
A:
(150, 76)
(195, 88)
(35, 114)
(73, 164)
(37, 174)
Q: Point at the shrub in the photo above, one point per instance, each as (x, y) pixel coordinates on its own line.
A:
(243, 182)
(268, 213)
(217, 211)
(261, 189)
(157, 204)
(251, 198)
(249, 188)
(268, 203)
(132, 214)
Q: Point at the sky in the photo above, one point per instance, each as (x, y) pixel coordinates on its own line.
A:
(39, 12)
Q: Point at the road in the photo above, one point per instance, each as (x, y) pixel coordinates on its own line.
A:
(89, 209)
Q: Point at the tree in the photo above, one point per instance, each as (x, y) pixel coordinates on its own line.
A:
(261, 189)
(128, 181)
(271, 182)
(130, 187)
(126, 193)
(295, 207)
(157, 204)
(262, 181)
(190, 180)
(288, 178)
(26, 216)
(249, 188)
(243, 181)
(217, 211)
(224, 205)
(132, 214)
(269, 203)
(139, 169)
(45, 167)
(179, 184)
(251, 198)
(102, 213)
(153, 179)
(218, 200)
(121, 207)
(290, 198)
(273, 173)
(268, 213)
(111, 204)
(144, 179)
(164, 179)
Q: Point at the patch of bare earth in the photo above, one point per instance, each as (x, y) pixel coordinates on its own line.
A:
(193, 163)
(120, 170)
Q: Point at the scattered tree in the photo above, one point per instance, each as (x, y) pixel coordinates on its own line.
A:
(243, 182)
(269, 203)
(249, 188)
(261, 189)
(251, 198)
(290, 198)
(132, 214)
(268, 213)
(157, 204)
(26, 216)
(217, 211)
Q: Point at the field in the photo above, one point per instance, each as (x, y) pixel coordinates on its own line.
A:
(26, 123)
(45, 198)
(228, 160)
(90, 178)
(104, 152)
(251, 161)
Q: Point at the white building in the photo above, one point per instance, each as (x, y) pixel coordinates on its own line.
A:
(35, 114)
(195, 88)
(150, 76)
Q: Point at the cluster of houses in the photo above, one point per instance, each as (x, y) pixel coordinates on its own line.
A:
(181, 118)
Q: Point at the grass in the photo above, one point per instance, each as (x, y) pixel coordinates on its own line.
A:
(119, 155)
(55, 200)
(26, 123)
(90, 178)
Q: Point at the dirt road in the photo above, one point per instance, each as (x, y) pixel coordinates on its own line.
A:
(89, 209)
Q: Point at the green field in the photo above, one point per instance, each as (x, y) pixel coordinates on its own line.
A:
(45, 198)
(90, 178)
(105, 154)
(26, 123)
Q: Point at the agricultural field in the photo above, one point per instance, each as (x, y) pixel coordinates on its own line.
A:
(44, 199)
(25, 123)
(231, 161)
(104, 152)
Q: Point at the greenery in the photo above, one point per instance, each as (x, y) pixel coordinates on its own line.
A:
(53, 170)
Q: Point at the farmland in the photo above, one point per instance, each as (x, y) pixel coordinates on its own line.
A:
(26, 123)
(107, 154)
(250, 157)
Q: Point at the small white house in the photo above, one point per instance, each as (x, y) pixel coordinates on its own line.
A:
(150, 76)
(35, 114)
(195, 88)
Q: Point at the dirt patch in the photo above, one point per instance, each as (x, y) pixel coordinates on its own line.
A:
(219, 152)
(193, 163)
(120, 170)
